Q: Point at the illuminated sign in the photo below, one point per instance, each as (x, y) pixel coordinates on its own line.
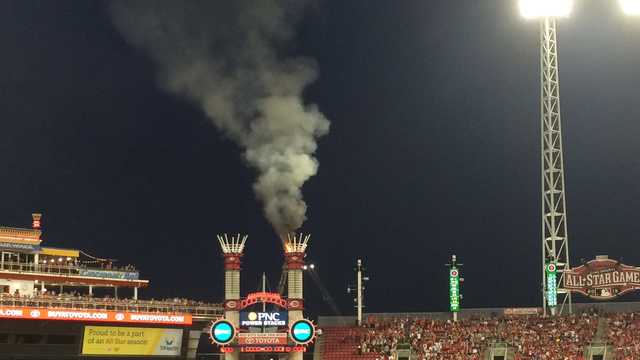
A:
(262, 338)
(222, 332)
(522, 311)
(264, 297)
(302, 332)
(19, 247)
(7, 312)
(271, 349)
(552, 287)
(454, 289)
(602, 279)
(107, 274)
(252, 318)
(113, 340)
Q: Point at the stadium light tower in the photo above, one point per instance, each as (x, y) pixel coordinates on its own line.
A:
(555, 241)
(630, 7)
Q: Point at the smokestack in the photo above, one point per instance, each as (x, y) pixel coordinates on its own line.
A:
(37, 218)
(223, 57)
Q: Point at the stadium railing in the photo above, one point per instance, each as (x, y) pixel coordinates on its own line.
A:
(64, 269)
(111, 304)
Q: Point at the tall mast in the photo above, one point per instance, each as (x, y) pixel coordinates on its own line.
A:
(555, 240)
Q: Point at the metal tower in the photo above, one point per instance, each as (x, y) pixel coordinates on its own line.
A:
(555, 241)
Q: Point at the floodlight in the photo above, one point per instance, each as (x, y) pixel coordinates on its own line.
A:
(630, 7)
(532, 9)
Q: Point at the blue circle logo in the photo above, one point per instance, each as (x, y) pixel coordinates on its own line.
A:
(222, 332)
(302, 331)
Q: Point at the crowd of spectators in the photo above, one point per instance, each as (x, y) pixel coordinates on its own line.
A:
(77, 300)
(624, 335)
(550, 338)
(531, 337)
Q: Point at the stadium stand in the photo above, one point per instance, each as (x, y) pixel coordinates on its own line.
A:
(528, 337)
(624, 335)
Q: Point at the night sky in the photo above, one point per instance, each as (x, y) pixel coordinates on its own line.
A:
(434, 149)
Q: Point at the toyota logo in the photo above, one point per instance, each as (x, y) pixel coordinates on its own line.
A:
(119, 316)
(35, 313)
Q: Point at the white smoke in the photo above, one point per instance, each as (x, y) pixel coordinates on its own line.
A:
(226, 56)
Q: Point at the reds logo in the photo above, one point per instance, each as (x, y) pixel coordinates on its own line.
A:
(231, 304)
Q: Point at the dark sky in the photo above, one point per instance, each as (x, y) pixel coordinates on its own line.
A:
(433, 150)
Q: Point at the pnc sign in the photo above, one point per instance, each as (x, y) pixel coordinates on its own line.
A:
(602, 279)
(252, 318)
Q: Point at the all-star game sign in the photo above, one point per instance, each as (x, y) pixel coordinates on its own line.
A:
(552, 291)
(454, 289)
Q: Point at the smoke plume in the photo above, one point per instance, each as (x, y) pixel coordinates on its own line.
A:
(227, 57)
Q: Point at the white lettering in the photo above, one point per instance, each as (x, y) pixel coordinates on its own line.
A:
(11, 312)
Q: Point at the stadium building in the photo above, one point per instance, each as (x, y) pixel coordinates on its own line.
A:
(66, 304)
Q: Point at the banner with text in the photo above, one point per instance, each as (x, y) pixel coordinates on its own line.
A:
(262, 339)
(111, 340)
(602, 279)
(8, 312)
(110, 274)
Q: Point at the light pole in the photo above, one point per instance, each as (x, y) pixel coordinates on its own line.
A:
(359, 290)
(630, 7)
(555, 239)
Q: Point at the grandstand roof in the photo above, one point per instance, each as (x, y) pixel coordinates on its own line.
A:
(20, 235)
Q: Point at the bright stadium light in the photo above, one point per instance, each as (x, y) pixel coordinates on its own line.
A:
(532, 9)
(630, 7)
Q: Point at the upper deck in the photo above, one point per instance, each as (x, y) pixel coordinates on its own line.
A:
(23, 259)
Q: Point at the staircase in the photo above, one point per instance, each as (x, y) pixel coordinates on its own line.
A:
(499, 349)
(599, 349)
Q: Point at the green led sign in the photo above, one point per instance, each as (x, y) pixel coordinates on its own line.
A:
(454, 289)
(552, 292)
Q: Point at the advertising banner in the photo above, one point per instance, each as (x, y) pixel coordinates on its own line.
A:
(522, 311)
(602, 279)
(454, 290)
(19, 247)
(252, 318)
(109, 274)
(551, 270)
(112, 340)
(7, 312)
(262, 338)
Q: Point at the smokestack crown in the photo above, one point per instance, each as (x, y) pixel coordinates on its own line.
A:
(37, 220)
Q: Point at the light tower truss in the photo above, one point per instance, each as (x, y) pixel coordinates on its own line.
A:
(555, 240)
